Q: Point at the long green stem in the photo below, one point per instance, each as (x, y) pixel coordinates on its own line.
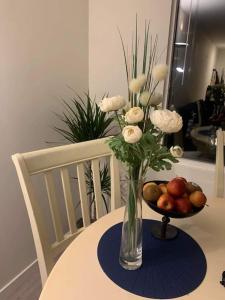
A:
(147, 106)
(151, 63)
(133, 214)
(134, 176)
(118, 120)
(126, 63)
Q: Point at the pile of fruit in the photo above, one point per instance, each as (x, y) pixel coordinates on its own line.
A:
(177, 195)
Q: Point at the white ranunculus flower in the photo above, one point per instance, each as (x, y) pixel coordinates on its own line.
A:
(134, 115)
(160, 72)
(167, 121)
(156, 99)
(136, 84)
(176, 151)
(144, 97)
(131, 134)
(111, 104)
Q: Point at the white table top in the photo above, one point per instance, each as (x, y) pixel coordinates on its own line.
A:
(78, 276)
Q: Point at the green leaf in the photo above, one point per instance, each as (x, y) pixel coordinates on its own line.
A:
(83, 120)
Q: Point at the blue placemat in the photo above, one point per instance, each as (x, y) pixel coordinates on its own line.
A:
(170, 269)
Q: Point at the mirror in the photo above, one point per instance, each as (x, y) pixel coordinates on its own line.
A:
(196, 87)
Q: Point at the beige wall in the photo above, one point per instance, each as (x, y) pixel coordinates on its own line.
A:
(106, 65)
(44, 48)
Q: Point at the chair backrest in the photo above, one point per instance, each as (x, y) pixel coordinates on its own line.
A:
(219, 173)
(46, 161)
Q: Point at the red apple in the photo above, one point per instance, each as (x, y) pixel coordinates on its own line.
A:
(183, 205)
(198, 199)
(185, 195)
(192, 187)
(163, 188)
(181, 178)
(176, 187)
(166, 202)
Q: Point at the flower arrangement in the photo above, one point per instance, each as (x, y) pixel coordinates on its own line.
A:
(142, 122)
(142, 129)
(143, 125)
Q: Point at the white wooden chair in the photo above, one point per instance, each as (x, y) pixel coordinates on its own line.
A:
(219, 172)
(60, 158)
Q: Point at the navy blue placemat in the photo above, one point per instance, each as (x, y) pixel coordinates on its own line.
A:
(170, 269)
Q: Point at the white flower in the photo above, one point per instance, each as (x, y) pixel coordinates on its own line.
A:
(159, 72)
(131, 134)
(110, 104)
(144, 97)
(176, 151)
(167, 121)
(136, 84)
(156, 99)
(134, 115)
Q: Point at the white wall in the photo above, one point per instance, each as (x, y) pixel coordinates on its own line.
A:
(199, 62)
(201, 57)
(205, 56)
(44, 48)
(106, 65)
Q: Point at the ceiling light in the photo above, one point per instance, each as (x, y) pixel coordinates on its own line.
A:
(180, 70)
(181, 44)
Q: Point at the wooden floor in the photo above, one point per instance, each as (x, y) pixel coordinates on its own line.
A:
(27, 287)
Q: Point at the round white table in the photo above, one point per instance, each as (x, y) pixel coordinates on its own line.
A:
(78, 276)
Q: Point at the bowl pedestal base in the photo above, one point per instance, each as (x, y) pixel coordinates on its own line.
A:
(163, 230)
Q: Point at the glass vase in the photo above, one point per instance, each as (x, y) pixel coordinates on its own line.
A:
(131, 238)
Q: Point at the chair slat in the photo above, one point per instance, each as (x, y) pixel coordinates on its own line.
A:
(219, 180)
(83, 194)
(115, 183)
(56, 219)
(97, 188)
(68, 199)
(57, 248)
(47, 159)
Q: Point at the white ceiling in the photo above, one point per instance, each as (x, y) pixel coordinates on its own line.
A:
(205, 5)
(211, 18)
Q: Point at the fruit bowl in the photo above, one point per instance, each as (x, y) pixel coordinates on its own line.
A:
(163, 230)
(172, 214)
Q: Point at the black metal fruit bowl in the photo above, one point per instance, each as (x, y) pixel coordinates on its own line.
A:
(171, 214)
(174, 214)
(166, 231)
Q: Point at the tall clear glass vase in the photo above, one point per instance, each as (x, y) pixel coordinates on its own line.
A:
(131, 238)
